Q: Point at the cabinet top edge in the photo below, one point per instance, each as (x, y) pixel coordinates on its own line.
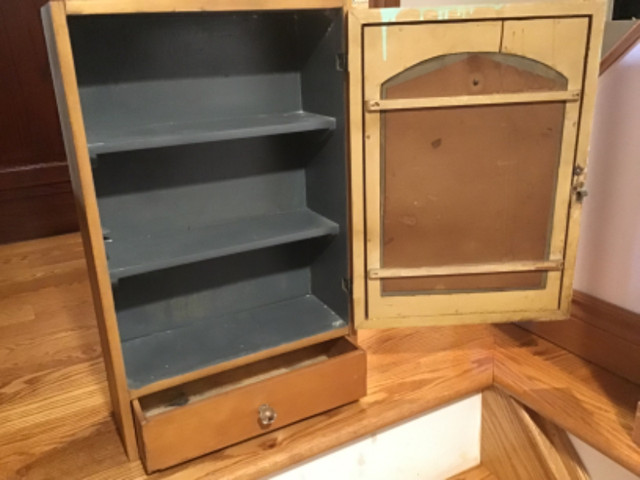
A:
(474, 10)
(448, 10)
(105, 7)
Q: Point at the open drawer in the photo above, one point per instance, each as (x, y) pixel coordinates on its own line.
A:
(198, 417)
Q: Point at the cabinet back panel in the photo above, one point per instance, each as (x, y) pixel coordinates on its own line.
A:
(183, 187)
(180, 296)
(110, 109)
(150, 68)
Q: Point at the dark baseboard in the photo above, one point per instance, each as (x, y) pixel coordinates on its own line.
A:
(36, 211)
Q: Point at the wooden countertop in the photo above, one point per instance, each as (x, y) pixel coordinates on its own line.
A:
(54, 411)
(586, 400)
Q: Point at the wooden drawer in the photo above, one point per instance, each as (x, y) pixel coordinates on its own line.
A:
(202, 416)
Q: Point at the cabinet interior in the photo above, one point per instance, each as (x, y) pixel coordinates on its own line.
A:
(218, 147)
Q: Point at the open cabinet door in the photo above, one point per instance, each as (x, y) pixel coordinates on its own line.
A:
(468, 159)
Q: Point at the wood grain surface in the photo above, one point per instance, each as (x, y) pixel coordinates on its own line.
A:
(508, 445)
(519, 444)
(56, 32)
(580, 397)
(180, 434)
(600, 332)
(565, 460)
(55, 419)
(54, 402)
(477, 473)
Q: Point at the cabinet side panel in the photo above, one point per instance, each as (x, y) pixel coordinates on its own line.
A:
(323, 92)
(61, 60)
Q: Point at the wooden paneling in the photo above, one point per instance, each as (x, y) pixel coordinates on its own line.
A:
(600, 332)
(36, 211)
(35, 193)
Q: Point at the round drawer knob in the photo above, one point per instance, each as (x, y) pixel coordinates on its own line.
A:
(266, 415)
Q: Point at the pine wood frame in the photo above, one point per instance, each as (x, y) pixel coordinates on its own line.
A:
(365, 107)
(56, 29)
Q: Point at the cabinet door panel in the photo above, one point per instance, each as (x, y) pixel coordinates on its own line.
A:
(466, 199)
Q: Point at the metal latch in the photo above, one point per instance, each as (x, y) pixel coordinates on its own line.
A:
(579, 187)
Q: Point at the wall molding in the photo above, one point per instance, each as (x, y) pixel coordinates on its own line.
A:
(598, 331)
(620, 48)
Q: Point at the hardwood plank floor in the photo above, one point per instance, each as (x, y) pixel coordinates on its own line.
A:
(54, 406)
(578, 396)
(55, 420)
(477, 473)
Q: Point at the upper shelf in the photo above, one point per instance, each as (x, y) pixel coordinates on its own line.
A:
(130, 254)
(123, 137)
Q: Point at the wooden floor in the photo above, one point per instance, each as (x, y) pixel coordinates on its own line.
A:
(54, 410)
(55, 417)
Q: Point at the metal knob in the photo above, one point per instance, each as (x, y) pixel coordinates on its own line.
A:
(266, 415)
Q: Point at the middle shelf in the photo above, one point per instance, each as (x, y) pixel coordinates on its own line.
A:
(121, 134)
(131, 253)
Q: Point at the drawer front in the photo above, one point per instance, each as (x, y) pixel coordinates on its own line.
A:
(183, 433)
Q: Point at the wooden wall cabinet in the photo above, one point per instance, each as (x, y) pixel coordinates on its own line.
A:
(235, 238)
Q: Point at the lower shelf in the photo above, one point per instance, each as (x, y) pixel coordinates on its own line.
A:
(203, 344)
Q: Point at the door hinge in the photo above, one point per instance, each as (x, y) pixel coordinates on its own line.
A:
(342, 64)
(579, 185)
